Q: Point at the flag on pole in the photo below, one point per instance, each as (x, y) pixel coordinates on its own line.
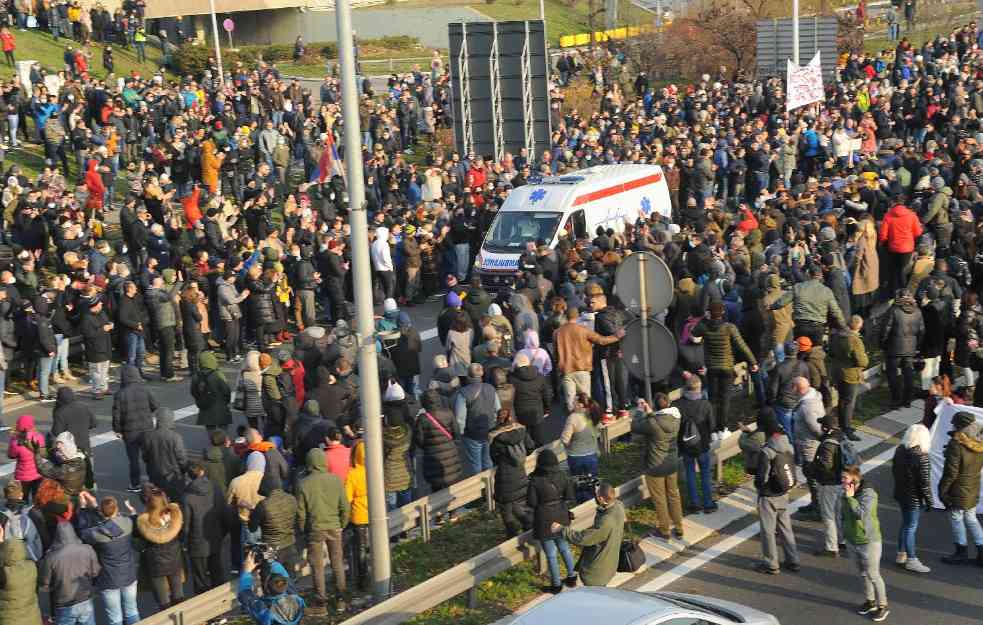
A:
(330, 163)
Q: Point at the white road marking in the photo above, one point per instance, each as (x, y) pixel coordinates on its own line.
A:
(108, 437)
(708, 555)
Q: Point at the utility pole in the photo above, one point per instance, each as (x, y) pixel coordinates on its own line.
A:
(368, 368)
(218, 49)
(795, 32)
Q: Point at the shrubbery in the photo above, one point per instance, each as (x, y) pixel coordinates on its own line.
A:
(193, 59)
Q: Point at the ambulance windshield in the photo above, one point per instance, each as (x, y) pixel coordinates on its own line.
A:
(511, 230)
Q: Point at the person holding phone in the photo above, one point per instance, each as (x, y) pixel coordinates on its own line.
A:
(862, 531)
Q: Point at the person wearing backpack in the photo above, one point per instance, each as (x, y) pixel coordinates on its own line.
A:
(825, 470)
(510, 443)
(694, 444)
(278, 396)
(773, 481)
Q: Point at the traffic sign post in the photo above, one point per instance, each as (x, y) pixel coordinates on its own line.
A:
(644, 284)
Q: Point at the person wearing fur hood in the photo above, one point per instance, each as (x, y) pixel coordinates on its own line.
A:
(159, 529)
(660, 428)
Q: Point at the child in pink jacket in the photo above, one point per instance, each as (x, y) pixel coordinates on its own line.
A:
(21, 450)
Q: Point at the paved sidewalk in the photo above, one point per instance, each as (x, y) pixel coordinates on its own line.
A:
(742, 502)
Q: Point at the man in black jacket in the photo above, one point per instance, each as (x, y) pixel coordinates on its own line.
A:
(72, 415)
(533, 397)
(133, 317)
(826, 469)
(781, 390)
(164, 455)
(96, 332)
(305, 281)
(694, 445)
(133, 407)
(901, 336)
(202, 532)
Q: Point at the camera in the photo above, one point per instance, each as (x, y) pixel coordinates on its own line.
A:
(263, 553)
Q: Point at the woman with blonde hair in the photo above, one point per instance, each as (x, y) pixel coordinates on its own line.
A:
(160, 529)
(865, 267)
(912, 491)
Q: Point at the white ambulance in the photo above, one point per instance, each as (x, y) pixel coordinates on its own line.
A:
(573, 205)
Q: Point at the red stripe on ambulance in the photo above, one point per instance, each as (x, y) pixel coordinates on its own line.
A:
(616, 189)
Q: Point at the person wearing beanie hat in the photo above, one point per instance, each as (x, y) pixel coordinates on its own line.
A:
(550, 495)
(396, 438)
(721, 343)
(773, 502)
(804, 343)
(449, 314)
(959, 488)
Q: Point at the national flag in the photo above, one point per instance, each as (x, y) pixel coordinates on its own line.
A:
(330, 163)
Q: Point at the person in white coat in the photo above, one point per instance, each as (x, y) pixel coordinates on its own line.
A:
(382, 261)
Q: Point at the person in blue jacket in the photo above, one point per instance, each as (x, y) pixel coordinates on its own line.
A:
(278, 605)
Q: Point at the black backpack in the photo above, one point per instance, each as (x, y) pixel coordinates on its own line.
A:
(691, 442)
(781, 477)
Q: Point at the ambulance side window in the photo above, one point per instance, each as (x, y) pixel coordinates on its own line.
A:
(577, 225)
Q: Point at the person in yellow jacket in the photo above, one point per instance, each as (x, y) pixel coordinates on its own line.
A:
(358, 496)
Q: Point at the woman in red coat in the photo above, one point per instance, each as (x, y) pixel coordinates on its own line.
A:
(95, 186)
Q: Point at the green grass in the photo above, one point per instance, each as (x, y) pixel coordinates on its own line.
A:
(561, 18)
(873, 403)
(373, 65)
(41, 47)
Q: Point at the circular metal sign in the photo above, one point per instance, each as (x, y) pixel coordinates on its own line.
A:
(228, 24)
(663, 350)
(658, 283)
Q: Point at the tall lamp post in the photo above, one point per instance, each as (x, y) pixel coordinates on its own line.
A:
(218, 49)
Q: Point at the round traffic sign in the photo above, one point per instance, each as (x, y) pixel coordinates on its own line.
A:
(662, 350)
(658, 282)
(228, 24)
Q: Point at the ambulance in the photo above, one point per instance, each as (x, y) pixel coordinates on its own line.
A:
(572, 205)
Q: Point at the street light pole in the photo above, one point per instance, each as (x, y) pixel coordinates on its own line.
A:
(368, 368)
(542, 10)
(795, 32)
(218, 49)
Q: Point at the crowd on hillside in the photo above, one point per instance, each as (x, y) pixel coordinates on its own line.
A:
(788, 230)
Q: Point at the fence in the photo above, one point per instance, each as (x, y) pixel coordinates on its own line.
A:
(372, 67)
(466, 576)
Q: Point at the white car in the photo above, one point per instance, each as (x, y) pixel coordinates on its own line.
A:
(588, 605)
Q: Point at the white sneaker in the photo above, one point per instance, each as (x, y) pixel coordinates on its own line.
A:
(901, 558)
(915, 566)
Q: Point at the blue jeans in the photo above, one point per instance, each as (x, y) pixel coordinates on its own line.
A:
(136, 348)
(61, 354)
(909, 528)
(120, 605)
(961, 520)
(477, 455)
(78, 614)
(583, 465)
(706, 480)
(550, 547)
(44, 375)
(463, 253)
(398, 498)
(784, 417)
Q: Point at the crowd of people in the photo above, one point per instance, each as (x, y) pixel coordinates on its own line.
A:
(788, 230)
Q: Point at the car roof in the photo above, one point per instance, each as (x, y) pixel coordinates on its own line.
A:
(573, 607)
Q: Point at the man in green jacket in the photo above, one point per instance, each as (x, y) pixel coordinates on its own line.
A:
(812, 304)
(322, 513)
(602, 542)
(849, 361)
(959, 488)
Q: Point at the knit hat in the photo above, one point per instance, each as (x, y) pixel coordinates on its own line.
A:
(805, 343)
(962, 419)
(716, 309)
(169, 276)
(453, 300)
(265, 360)
(256, 461)
(390, 305)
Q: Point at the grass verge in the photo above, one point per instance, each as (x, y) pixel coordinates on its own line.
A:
(41, 46)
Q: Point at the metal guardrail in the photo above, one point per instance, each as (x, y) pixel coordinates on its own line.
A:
(466, 576)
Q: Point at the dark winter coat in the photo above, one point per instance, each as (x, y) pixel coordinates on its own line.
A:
(912, 477)
(721, 340)
(164, 455)
(73, 415)
(441, 461)
(959, 487)
(903, 329)
(551, 495)
(509, 446)
(162, 553)
(211, 392)
(113, 541)
(276, 516)
(191, 320)
(98, 342)
(260, 301)
(69, 473)
(395, 448)
(68, 569)
(133, 404)
(660, 430)
(406, 354)
(533, 395)
(221, 466)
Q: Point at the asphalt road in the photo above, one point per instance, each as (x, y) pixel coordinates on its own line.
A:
(829, 590)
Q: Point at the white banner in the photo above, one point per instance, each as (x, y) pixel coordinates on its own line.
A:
(940, 438)
(804, 84)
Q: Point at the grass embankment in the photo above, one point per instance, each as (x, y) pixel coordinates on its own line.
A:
(40, 46)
